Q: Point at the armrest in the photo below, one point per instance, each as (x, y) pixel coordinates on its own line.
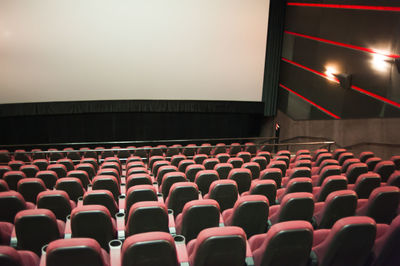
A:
(171, 222)
(121, 203)
(67, 231)
(155, 185)
(115, 252)
(13, 240)
(80, 201)
(221, 221)
(249, 255)
(120, 218)
(123, 188)
(181, 250)
(43, 259)
(160, 197)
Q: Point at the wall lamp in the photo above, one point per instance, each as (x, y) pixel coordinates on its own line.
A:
(344, 80)
(397, 63)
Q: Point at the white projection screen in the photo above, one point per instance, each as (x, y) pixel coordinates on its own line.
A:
(82, 50)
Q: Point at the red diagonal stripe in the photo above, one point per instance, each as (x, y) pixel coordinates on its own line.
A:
(310, 102)
(354, 47)
(376, 8)
(373, 95)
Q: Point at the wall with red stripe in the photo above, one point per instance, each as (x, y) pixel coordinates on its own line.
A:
(324, 38)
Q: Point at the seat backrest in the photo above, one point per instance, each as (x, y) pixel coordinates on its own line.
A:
(261, 161)
(223, 157)
(236, 162)
(184, 164)
(336, 153)
(93, 221)
(298, 172)
(115, 173)
(169, 179)
(246, 156)
(36, 228)
(396, 160)
(383, 203)
(366, 183)
(372, 162)
(154, 159)
(196, 216)
(331, 184)
(12, 178)
(75, 251)
(254, 169)
(5, 156)
(272, 174)
(210, 163)
(11, 202)
(3, 186)
(344, 156)
(281, 158)
(349, 242)
(138, 179)
(278, 164)
(327, 171)
(147, 216)
(163, 170)
(48, 177)
(386, 247)
(250, 147)
(11, 257)
(394, 179)
(299, 184)
(15, 165)
(219, 246)
(57, 201)
(30, 188)
(172, 150)
(72, 186)
(4, 169)
(199, 158)
(326, 163)
(219, 148)
(60, 169)
(365, 155)
(385, 169)
(235, 149)
(303, 152)
(296, 206)
(29, 170)
(242, 177)
(67, 163)
(251, 214)
(223, 169)
(107, 182)
(338, 204)
(225, 192)
(153, 248)
(322, 157)
(354, 171)
(205, 148)
(286, 243)
(264, 187)
(101, 197)
(82, 175)
(177, 158)
(349, 162)
(192, 170)
(204, 178)
(181, 193)
(140, 193)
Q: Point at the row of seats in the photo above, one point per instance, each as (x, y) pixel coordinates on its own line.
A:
(351, 241)
(143, 152)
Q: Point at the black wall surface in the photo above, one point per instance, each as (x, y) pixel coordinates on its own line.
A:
(341, 33)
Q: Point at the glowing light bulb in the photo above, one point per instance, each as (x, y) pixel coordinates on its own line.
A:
(330, 72)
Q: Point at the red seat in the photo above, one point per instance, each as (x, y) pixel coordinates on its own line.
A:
(192, 170)
(285, 243)
(250, 213)
(294, 206)
(140, 193)
(236, 162)
(57, 201)
(242, 177)
(101, 197)
(204, 178)
(385, 169)
(330, 184)
(225, 192)
(223, 157)
(180, 193)
(254, 169)
(341, 245)
(77, 252)
(138, 179)
(298, 184)
(386, 244)
(72, 186)
(29, 170)
(12, 178)
(60, 169)
(30, 188)
(11, 257)
(261, 161)
(218, 246)
(265, 187)
(274, 174)
(210, 163)
(48, 177)
(246, 156)
(169, 179)
(365, 155)
(107, 182)
(223, 169)
(11, 202)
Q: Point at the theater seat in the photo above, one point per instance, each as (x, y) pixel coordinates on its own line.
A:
(250, 213)
(176, 159)
(349, 162)
(77, 252)
(71, 185)
(36, 228)
(60, 169)
(149, 249)
(254, 169)
(169, 179)
(204, 178)
(210, 163)
(196, 216)
(296, 172)
(286, 243)
(223, 157)
(199, 158)
(337, 152)
(385, 169)
(349, 242)
(278, 164)
(12, 178)
(56, 201)
(192, 170)
(138, 179)
(140, 193)
(396, 160)
(381, 205)
(242, 177)
(3, 186)
(354, 171)
(15, 165)
(184, 164)
(365, 184)
(261, 161)
(372, 162)
(93, 221)
(81, 175)
(385, 250)
(298, 184)
(11, 257)
(218, 246)
(394, 179)
(4, 169)
(344, 156)
(246, 156)
(163, 170)
(223, 169)
(365, 155)
(67, 163)
(225, 192)
(294, 206)
(330, 184)
(329, 170)
(49, 178)
(147, 216)
(6, 229)
(29, 170)
(235, 149)
(11, 202)
(101, 197)
(180, 193)
(274, 174)
(219, 148)
(236, 162)
(265, 187)
(30, 188)
(338, 204)
(107, 182)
